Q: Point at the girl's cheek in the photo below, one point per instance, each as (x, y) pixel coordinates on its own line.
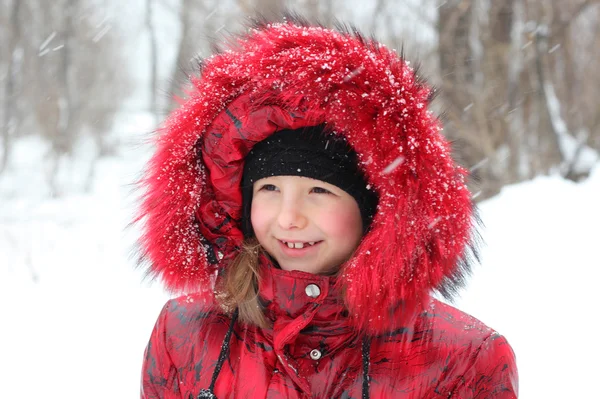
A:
(342, 220)
(257, 217)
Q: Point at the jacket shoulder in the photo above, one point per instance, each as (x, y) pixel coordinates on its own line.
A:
(487, 361)
(444, 317)
(449, 352)
(441, 329)
(190, 312)
(455, 330)
(186, 323)
(179, 341)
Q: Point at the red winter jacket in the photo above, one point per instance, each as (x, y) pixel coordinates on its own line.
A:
(312, 351)
(374, 331)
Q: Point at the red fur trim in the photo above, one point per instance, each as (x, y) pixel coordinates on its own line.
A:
(288, 76)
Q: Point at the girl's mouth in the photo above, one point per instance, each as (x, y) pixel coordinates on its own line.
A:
(299, 245)
(298, 248)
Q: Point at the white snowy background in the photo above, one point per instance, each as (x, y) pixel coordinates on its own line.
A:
(75, 314)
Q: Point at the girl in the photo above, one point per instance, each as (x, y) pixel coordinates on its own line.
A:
(304, 199)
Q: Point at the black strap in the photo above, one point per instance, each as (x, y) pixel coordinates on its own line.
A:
(208, 393)
(366, 354)
(224, 350)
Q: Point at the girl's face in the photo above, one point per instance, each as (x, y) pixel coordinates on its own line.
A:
(305, 224)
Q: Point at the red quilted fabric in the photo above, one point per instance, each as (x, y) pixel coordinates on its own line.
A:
(436, 352)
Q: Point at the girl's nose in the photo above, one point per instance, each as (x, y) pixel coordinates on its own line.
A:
(291, 216)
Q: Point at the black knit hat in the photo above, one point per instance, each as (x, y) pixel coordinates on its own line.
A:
(307, 152)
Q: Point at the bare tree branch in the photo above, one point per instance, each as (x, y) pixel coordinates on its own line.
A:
(581, 8)
(153, 60)
(10, 121)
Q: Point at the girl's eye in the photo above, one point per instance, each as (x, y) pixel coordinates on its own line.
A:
(268, 187)
(320, 190)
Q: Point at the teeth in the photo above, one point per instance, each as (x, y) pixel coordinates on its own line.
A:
(299, 245)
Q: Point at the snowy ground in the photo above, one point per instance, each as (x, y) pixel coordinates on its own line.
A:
(76, 316)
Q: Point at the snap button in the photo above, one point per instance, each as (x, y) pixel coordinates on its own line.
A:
(312, 290)
(315, 354)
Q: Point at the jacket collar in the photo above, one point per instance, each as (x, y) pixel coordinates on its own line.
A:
(288, 295)
(307, 314)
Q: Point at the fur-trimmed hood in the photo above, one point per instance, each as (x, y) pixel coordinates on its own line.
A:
(286, 76)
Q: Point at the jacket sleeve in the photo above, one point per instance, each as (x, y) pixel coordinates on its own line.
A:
(493, 373)
(159, 374)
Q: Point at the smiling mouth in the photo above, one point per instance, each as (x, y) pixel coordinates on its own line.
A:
(299, 245)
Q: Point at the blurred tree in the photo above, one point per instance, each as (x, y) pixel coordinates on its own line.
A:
(562, 44)
(149, 21)
(12, 53)
(63, 76)
(268, 8)
(473, 80)
(199, 22)
(511, 84)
